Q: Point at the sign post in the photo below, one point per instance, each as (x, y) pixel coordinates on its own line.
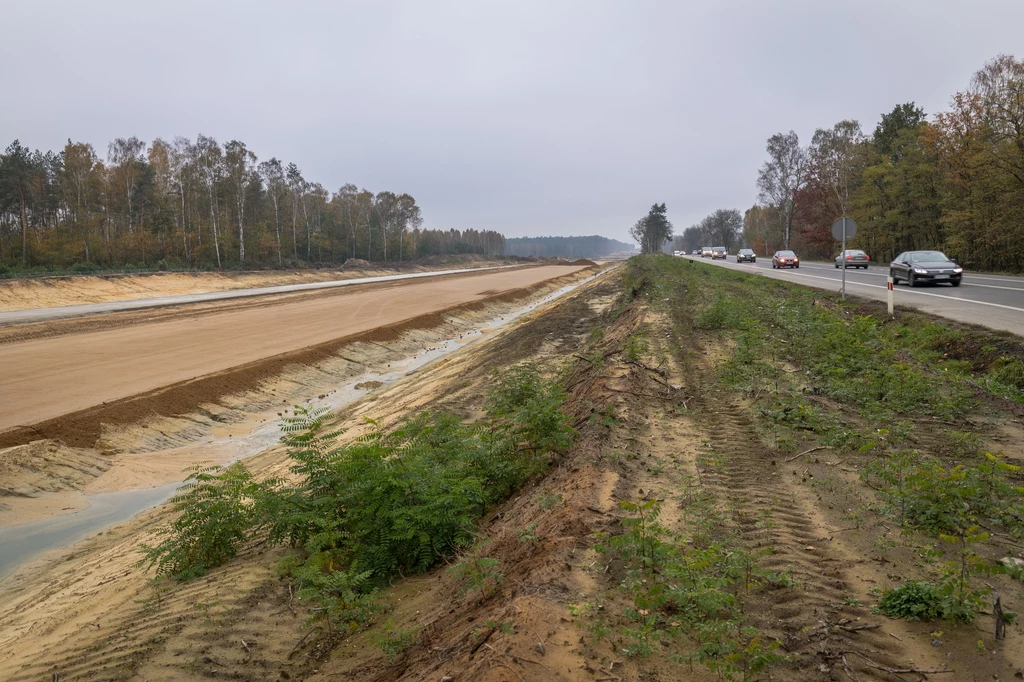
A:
(842, 229)
(890, 294)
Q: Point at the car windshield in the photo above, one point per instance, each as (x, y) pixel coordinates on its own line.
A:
(928, 257)
(719, 248)
(855, 252)
(746, 251)
(786, 254)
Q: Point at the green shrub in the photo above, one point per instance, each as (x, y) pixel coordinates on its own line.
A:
(1010, 373)
(386, 504)
(215, 517)
(84, 268)
(913, 600)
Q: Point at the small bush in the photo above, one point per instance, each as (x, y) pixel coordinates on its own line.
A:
(84, 268)
(1010, 373)
(913, 600)
(214, 519)
(386, 504)
(719, 315)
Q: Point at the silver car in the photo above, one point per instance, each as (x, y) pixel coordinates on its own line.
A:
(852, 258)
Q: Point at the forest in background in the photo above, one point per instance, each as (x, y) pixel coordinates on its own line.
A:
(953, 182)
(186, 204)
(566, 247)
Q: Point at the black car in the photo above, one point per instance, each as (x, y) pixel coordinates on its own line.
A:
(746, 255)
(917, 267)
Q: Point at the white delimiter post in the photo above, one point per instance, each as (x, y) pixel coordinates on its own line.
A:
(890, 293)
(842, 255)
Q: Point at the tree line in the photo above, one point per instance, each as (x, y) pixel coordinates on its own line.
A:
(592, 246)
(198, 205)
(722, 228)
(953, 182)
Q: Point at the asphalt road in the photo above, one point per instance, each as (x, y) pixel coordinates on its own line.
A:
(995, 301)
(44, 314)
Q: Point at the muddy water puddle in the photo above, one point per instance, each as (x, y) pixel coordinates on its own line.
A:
(258, 432)
(21, 543)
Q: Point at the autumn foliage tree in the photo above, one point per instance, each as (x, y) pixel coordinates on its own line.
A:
(954, 182)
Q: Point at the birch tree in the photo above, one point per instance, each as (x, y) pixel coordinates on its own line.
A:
(240, 164)
(781, 178)
(272, 174)
(124, 156)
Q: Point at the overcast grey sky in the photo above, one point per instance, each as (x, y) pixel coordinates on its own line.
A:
(546, 117)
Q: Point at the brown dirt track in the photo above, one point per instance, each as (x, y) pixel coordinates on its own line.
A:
(50, 377)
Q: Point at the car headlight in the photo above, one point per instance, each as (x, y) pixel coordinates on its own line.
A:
(920, 271)
(957, 271)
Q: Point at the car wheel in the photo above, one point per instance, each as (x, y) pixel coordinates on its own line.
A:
(797, 267)
(955, 282)
(911, 281)
(837, 266)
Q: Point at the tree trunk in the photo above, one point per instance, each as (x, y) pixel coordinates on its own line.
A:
(241, 227)
(277, 228)
(305, 219)
(24, 227)
(295, 240)
(213, 221)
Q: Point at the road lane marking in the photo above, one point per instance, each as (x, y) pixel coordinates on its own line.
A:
(968, 277)
(910, 291)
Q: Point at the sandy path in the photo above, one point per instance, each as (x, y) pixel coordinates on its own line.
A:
(46, 378)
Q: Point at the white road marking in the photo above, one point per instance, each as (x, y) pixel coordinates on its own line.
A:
(919, 293)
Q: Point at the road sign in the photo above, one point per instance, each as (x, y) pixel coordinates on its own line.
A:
(842, 229)
(837, 228)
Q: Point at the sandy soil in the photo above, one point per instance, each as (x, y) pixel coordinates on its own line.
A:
(149, 444)
(46, 378)
(60, 613)
(50, 292)
(86, 613)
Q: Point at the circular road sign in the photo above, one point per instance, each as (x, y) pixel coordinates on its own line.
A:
(837, 228)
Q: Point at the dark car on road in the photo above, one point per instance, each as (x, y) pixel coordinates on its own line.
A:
(785, 259)
(719, 252)
(852, 258)
(746, 255)
(918, 267)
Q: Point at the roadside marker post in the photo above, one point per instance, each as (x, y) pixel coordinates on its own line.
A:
(842, 229)
(890, 293)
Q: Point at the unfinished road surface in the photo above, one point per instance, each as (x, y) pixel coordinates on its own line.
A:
(50, 377)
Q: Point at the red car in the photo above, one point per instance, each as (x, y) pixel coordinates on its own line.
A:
(785, 259)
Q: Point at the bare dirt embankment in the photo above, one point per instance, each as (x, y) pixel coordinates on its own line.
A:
(47, 378)
(86, 613)
(148, 439)
(51, 292)
(788, 541)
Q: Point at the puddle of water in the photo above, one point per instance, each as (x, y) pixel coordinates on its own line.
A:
(23, 542)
